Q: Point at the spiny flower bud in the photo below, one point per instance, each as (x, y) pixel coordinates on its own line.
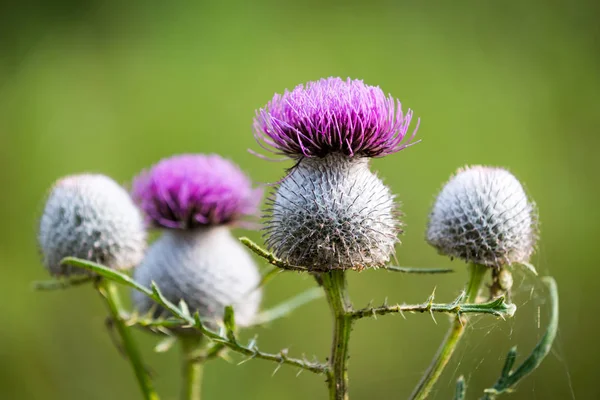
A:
(90, 217)
(197, 260)
(192, 190)
(205, 267)
(483, 216)
(333, 116)
(333, 213)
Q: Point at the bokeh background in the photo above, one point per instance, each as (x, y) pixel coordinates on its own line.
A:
(112, 87)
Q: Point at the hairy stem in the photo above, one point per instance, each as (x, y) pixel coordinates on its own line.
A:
(335, 286)
(445, 351)
(229, 340)
(193, 367)
(111, 295)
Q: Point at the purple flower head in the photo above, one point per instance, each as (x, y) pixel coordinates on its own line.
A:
(193, 190)
(332, 115)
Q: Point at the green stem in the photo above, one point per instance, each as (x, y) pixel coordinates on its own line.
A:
(335, 286)
(444, 353)
(193, 367)
(110, 293)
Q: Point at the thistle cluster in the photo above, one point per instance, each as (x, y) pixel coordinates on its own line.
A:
(194, 199)
(329, 214)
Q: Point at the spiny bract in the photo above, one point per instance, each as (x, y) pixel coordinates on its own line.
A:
(333, 213)
(207, 268)
(483, 216)
(91, 217)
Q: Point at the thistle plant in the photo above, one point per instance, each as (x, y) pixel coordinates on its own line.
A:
(91, 217)
(328, 216)
(194, 199)
(482, 216)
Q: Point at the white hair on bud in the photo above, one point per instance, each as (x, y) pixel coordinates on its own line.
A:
(483, 216)
(333, 213)
(91, 217)
(205, 267)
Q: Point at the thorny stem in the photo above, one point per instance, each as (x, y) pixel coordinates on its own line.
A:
(270, 257)
(273, 260)
(229, 341)
(184, 319)
(335, 286)
(497, 307)
(444, 353)
(109, 291)
(192, 368)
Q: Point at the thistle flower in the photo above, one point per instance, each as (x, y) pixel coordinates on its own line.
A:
(483, 216)
(331, 211)
(90, 217)
(196, 259)
(193, 190)
(333, 116)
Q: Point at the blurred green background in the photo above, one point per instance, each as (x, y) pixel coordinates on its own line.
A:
(113, 87)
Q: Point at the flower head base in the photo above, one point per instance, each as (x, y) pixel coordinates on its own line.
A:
(483, 216)
(333, 213)
(90, 217)
(207, 268)
(189, 191)
(332, 115)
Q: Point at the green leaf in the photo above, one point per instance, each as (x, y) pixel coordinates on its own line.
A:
(184, 308)
(105, 272)
(508, 379)
(413, 270)
(268, 276)
(157, 295)
(270, 257)
(288, 306)
(62, 283)
(529, 267)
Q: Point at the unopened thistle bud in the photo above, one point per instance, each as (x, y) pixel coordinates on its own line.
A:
(483, 216)
(90, 217)
(331, 211)
(197, 260)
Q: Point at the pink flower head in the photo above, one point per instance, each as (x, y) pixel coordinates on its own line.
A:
(333, 115)
(193, 190)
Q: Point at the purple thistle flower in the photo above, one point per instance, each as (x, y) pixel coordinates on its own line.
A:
(193, 190)
(332, 115)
